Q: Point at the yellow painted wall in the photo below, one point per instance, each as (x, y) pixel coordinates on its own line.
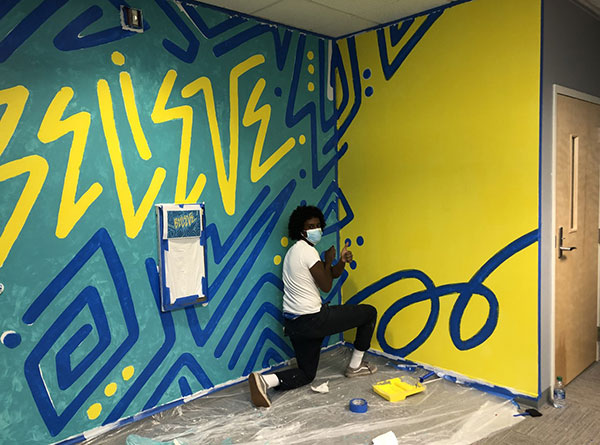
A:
(442, 173)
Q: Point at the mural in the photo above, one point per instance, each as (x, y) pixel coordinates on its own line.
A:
(97, 125)
(443, 179)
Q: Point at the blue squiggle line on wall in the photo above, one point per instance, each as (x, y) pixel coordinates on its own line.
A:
(65, 373)
(432, 293)
(166, 321)
(28, 26)
(243, 309)
(267, 221)
(6, 6)
(208, 31)
(309, 109)
(271, 356)
(338, 65)
(219, 249)
(396, 34)
(185, 55)
(186, 360)
(90, 298)
(333, 191)
(266, 335)
(265, 308)
(327, 123)
(282, 46)
(72, 36)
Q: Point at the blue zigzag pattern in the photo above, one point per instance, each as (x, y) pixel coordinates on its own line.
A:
(309, 109)
(396, 34)
(267, 222)
(282, 46)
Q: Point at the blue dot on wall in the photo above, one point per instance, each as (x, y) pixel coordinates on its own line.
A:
(303, 173)
(369, 91)
(367, 73)
(348, 242)
(303, 202)
(360, 240)
(10, 339)
(353, 265)
(278, 92)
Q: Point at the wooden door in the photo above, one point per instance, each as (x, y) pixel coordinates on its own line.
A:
(576, 247)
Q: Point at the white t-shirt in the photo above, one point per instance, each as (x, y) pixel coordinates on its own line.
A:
(301, 294)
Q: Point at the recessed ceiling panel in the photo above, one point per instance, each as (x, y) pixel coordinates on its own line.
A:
(314, 17)
(333, 18)
(382, 11)
(245, 6)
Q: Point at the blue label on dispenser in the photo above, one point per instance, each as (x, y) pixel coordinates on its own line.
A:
(183, 223)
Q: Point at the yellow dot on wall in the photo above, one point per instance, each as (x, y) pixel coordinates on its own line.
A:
(94, 411)
(310, 55)
(117, 58)
(277, 260)
(127, 373)
(284, 240)
(311, 86)
(311, 68)
(110, 389)
(302, 139)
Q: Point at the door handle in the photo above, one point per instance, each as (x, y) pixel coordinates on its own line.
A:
(562, 248)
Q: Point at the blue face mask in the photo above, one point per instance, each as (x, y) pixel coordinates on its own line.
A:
(314, 236)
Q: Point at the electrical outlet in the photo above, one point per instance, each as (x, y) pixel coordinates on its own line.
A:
(131, 19)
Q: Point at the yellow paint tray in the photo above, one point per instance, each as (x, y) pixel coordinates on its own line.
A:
(395, 389)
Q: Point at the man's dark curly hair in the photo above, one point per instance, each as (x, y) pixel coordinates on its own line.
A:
(299, 217)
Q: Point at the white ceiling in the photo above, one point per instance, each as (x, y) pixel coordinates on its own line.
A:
(332, 18)
(336, 18)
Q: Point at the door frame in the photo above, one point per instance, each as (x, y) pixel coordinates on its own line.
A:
(556, 90)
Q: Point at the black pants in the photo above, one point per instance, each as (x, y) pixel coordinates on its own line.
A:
(307, 333)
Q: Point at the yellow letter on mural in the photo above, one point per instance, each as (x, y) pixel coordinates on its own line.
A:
(38, 170)
(15, 99)
(133, 117)
(133, 220)
(54, 127)
(227, 184)
(161, 114)
(262, 115)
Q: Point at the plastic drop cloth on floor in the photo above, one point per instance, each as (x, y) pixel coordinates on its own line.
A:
(445, 413)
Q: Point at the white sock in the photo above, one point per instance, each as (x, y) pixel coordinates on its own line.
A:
(271, 380)
(356, 359)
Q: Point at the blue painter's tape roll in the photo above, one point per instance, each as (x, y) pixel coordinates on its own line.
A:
(359, 406)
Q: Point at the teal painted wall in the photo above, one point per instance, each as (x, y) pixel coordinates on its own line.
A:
(97, 125)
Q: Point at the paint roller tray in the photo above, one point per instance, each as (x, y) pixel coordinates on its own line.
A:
(396, 389)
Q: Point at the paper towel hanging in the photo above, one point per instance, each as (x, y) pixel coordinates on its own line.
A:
(181, 255)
